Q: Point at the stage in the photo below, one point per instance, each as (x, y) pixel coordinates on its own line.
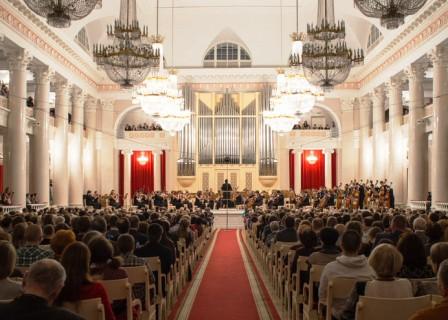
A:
(234, 218)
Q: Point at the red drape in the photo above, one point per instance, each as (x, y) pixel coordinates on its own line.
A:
(142, 176)
(334, 169)
(291, 169)
(121, 177)
(313, 175)
(163, 170)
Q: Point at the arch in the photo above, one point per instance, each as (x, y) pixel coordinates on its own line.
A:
(334, 115)
(121, 116)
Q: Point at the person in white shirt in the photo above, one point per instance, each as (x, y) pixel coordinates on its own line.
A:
(349, 264)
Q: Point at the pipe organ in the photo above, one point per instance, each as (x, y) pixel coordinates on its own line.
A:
(232, 140)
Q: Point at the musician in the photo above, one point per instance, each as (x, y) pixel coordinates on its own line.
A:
(226, 189)
(362, 195)
(158, 200)
(114, 200)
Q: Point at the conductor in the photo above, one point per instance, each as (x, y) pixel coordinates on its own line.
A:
(226, 193)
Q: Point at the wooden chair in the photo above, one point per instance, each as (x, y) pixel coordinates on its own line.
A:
(436, 299)
(297, 292)
(339, 288)
(156, 267)
(6, 301)
(309, 307)
(140, 275)
(369, 308)
(120, 290)
(91, 309)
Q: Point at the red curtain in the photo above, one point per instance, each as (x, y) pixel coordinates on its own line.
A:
(313, 175)
(334, 169)
(291, 169)
(163, 171)
(121, 177)
(142, 176)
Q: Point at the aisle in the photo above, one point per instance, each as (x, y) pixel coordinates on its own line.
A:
(225, 291)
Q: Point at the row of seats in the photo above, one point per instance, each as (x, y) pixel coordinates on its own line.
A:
(299, 297)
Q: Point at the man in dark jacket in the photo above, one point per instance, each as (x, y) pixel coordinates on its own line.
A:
(289, 234)
(398, 226)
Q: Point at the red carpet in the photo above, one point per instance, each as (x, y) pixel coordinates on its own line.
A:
(225, 292)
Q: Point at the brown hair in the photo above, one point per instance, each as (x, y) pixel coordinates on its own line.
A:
(103, 252)
(8, 259)
(60, 240)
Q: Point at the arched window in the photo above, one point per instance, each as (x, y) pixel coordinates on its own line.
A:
(227, 55)
(375, 37)
(83, 39)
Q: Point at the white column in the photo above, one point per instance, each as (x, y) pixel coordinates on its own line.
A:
(328, 176)
(298, 171)
(16, 136)
(127, 177)
(40, 164)
(396, 157)
(76, 155)
(365, 157)
(90, 156)
(157, 170)
(60, 163)
(356, 138)
(439, 170)
(378, 98)
(418, 140)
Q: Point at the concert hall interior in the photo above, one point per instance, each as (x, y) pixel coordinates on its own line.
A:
(224, 159)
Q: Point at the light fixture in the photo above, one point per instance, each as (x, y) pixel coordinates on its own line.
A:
(143, 159)
(128, 60)
(60, 13)
(390, 12)
(173, 119)
(311, 158)
(326, 60)
(280, 118)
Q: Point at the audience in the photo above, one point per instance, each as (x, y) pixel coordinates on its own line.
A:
(328, 251)
(41, 286)
(289, 233)
(9, 289)
(415, 265)
(31, 252)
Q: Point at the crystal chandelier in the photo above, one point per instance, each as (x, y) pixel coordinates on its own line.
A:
(326, 60)
(390, 12)
(173, 119)
(60, 13)
(143, 159)
(311, 158)
(281, 118)
(128, 60)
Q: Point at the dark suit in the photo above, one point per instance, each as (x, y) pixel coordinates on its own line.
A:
(287, 235)
(157, 250)
(391, 236)
(31, 307)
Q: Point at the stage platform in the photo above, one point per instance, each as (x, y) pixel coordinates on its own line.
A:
(228, 218)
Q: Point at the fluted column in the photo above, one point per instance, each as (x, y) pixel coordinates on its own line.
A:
(417, 141)
(365, 156)
(76, 153)
(378, 98)
(157, 171)
(16, 136)
(298, 170)
(396, 157)
(439, 170)
(127, 177)
(90, 156)
(328, 175)
(60, 163)
(40, 164)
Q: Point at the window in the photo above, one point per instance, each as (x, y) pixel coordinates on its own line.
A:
(375, 36)
(227, 55)
(83, 39)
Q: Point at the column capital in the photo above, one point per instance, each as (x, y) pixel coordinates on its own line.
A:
(378, 95)
(62, 86)
(394, 83)
(366, 99)
(439, 55)
(156, 152)
(77, 96)
(416, 71)
(298, 151)
(327, 151)
(91, 104)
(127, 152)
(18, 59)
(42, 74)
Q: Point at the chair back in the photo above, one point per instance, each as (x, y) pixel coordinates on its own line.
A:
(156, 267)
(436, 299)
(138, 275)
(369, 308)
(91, 309)
(315, 274)
(120, 290)
(338, 288)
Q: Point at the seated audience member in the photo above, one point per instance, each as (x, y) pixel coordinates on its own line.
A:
(31, 252)
(60, 240)
(439, 311)
(166, 241)
(289, 234)
(153, 248)
(140, 238)
(415, 265)
(419, 225)
(125, 246)
(41, 286)
(89, 236)
(349, 264)
(79, 284)
(434, 232)
(9, 289)
(18, 235)
(308, 242)
(385, 261)
(328, 251)
(398, 226)
(183, 232)
(274, 227)
(48, 233)
(105, 266)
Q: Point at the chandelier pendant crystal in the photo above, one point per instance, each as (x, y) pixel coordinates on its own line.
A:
(60, 13)
(326, 60)
(128, 60)
(390, 12)
(143, 159)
